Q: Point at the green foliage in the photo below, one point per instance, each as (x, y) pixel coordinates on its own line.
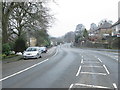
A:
(42, 38)
(115, 43)
(20, 45)
(6, 49)
(11, 44)
(77, 38)
(85, 34)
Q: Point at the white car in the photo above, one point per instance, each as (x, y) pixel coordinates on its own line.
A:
(32, 52)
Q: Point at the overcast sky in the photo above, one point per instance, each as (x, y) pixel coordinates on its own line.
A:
(69, 13)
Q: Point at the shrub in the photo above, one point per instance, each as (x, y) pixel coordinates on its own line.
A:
(115, 43)
(20, 45)
(6, 49)
(11, 44)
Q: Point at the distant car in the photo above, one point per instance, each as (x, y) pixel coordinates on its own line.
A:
(43, 49)
(32, 52)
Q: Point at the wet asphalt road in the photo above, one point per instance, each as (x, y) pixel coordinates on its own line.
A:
(68, 68)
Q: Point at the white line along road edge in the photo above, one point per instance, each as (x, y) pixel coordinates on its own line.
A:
(27, 68)
(24, 70)
(55, 53)
(78, 71)
(106, 69)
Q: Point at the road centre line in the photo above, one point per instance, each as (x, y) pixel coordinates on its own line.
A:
(78, 71)
(82, 61)
(70, 86)
(82, 56)
(99, 60)
(106, 69)
(93, 73)
(117, 59)
(93, 86)
(115, 86)
(24, 70)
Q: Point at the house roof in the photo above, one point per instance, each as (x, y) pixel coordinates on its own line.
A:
(118, 22)
(105, 25)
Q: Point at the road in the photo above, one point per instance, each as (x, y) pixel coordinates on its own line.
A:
(67, 68)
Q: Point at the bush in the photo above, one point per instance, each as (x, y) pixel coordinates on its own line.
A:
(6, 49)
(115, 43)
(20, 45)
(11, 46)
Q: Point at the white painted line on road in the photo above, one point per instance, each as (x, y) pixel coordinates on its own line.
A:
(91, 62)
(82, 56)
(23, 70)
(106, 69)
(70, 86)
(115, 86)
(55, 53)
(78, 71)
(100, 60)
(93, 73)
(93, 66)
(92, 86)
(82, 61)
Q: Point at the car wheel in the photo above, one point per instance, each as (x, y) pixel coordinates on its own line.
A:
(37, 57)
(40, 56)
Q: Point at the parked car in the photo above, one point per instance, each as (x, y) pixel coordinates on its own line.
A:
(43, 49)
(32, 52)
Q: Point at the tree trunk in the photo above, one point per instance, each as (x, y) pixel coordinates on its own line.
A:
(5, 18)
(4, 29)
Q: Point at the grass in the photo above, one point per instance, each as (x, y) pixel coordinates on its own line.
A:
(11, 58)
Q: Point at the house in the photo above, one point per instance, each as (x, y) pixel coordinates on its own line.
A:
(116, 29)
(105, 29)
(32, 41)
(101, 32)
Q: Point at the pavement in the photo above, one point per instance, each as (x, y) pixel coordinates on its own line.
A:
(67, 68)
(20, 57)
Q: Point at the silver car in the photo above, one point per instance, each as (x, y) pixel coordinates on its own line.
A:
(32, 52)
(43, 49)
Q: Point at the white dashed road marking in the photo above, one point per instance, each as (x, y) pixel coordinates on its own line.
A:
(115, 86)
(93, 73)
(93, 66)
(91, 62)
(82, 61)
(106, 69)
(78, 71)
(92, 86)
(100, 60)
(70, 86)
